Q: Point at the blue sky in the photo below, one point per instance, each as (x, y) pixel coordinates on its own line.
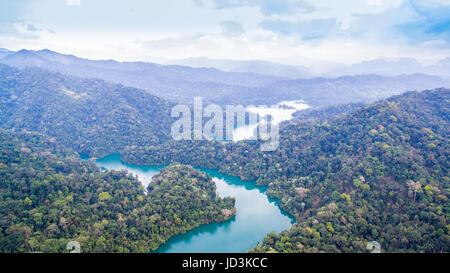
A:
(345, 31)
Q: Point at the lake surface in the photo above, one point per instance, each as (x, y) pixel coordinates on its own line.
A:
(280, 112)
(256, 214)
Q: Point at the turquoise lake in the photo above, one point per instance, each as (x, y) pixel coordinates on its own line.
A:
(256, 214)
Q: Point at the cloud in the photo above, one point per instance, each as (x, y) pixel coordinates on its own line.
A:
(31, 28)
(231, 28)
(172, 42)
(73, 2)
(24, 30)
(431, 21)
(374, 2)
(313, 29)
(413, 22)
(13, 25)
(260, 29)
(266, 7)
(10, 12)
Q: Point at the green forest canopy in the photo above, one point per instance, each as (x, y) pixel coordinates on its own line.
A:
(378, 173)
(49, 196)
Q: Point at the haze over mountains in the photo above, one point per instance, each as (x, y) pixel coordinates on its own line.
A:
(256, 82)
(4, 52)
(317, 68)
(175, 83)
(393, 67)
(254, 66)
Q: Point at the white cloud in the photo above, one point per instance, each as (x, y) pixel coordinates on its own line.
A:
(172, 29)
(73, 2)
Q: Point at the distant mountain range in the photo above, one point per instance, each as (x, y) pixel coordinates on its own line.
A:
(351, 89)
(181, 84)
(76, 66)
(308, 68)
(173, 82)
(392, 67)
(253, 66)
(4, 52)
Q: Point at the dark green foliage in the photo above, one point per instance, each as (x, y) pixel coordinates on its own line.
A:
(48, 197)
(91, 116)
(323, 114)
(350, 174)
(379, 173)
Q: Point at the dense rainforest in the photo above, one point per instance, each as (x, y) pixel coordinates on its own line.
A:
(91, 116)
(377, 173)
(349, 173)
(322, 114)
(49, 196)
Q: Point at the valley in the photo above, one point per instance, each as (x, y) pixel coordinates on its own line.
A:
(225, 135)
(352, 166)
(256, 214)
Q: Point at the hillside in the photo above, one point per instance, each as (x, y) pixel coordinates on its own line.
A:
(377, 173)
(322, 114)
(351, 89)
(48, 197)
(91, 116)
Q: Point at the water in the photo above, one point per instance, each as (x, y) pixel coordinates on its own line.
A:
(144, 173)
(256, 214)
(280, 112)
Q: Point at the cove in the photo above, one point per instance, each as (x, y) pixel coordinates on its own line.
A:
(282, 111)
(256, 214)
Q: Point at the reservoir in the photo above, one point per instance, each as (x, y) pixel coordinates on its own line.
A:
(256, 213)
(280, 112)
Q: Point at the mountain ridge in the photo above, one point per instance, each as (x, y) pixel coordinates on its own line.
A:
(181, 84)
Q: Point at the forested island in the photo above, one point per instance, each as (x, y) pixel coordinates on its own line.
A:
(49, 196)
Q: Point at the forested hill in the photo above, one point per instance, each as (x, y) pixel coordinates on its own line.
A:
(89, 115)
(323, 114)
(351, 89)
(48, 197)
(378, 173)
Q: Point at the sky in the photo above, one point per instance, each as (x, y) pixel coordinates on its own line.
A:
(286, 31)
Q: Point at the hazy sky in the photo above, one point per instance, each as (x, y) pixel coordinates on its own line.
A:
(281, 30)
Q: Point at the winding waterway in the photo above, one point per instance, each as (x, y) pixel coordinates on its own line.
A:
(256, 213)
